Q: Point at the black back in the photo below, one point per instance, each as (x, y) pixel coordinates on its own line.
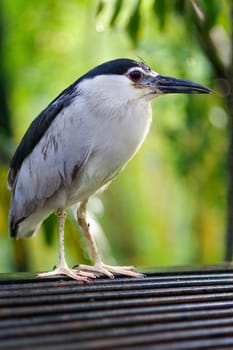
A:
(42, 122)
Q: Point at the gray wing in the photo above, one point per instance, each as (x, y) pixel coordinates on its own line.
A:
(53, 163)
(37, 129)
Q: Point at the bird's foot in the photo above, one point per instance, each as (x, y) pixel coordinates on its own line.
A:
(102, 269)
(80, 276)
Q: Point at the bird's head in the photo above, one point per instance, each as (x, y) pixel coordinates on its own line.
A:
(126, 79)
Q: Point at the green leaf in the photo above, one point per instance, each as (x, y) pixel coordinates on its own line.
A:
(134, 23)
(211, 10)
(116, 11)
(179, 6)
(160, 7)
(49, 226)
(100, 7)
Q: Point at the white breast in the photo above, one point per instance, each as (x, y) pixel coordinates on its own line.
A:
(118, 121)
(121, 137)
(118, 131)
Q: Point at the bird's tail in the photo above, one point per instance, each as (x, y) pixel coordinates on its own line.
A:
(22, 228)
(22, 225)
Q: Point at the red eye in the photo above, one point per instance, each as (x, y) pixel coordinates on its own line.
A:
(135, 75)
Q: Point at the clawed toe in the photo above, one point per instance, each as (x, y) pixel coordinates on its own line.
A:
(124, 270)
(110, 271)
(98, 270)
(84, 273)
(80, 276)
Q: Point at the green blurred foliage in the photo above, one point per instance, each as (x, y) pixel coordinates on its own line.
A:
(168, 206)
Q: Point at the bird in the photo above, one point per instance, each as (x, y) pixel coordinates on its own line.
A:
(77, 145)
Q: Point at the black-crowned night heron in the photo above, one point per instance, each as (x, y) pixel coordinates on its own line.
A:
(78, 144)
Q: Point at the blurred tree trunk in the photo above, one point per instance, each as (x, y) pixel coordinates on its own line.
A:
(5, 124)
(18, 248)
(229, 232)
(221, 71)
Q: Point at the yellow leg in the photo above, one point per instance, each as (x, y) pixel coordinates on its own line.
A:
(62, 268)
(99, 267)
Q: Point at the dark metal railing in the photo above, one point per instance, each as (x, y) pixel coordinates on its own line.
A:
(189, 309)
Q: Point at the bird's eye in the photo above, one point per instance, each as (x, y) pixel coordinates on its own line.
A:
(135, 75)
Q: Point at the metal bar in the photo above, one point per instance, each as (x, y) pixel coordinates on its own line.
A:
(103, 305)
(24, 320)
(118, 294)
(46, 289)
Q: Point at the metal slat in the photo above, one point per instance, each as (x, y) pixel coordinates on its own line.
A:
(25, 320)
(189, 309)
(44, 309)
(50, 290)
(124, 295)
(155, 338)
(126, 321)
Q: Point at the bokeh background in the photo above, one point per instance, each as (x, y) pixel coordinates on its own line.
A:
(171, 205)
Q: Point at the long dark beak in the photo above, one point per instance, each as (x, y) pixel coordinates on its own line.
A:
(169, 85)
